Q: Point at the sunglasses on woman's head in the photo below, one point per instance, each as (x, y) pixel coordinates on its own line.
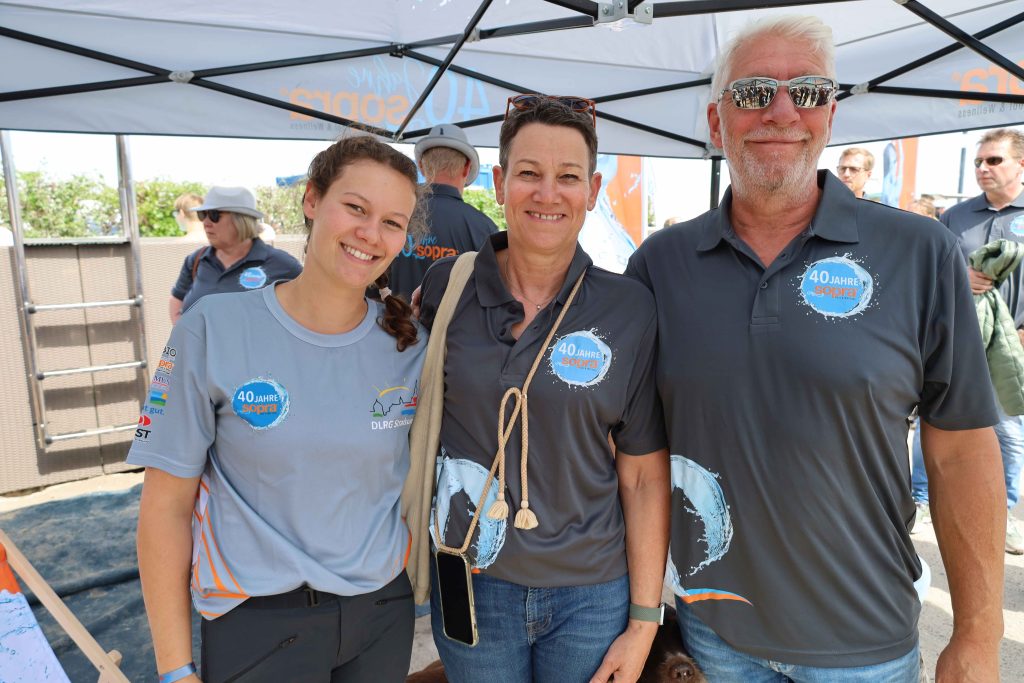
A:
(214, 215)
(531, 100)
(989, 161)
(757, 92)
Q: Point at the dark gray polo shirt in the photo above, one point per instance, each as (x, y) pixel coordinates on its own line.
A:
(786, 392)
(261, 266)
(975, 223)
(455, 227)
(595, 378)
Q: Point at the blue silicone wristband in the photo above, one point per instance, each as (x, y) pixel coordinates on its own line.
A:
(179, 673)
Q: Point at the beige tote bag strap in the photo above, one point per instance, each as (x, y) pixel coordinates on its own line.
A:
(425, 435)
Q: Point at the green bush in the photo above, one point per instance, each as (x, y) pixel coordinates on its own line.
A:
(282, 207)
(154, 201)
(86, 207)
(78, 207)
(484, 201)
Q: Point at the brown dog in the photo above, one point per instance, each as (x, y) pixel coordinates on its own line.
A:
(667, 663)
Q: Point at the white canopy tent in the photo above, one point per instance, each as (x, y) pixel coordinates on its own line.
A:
(305, 70)
(267, 69)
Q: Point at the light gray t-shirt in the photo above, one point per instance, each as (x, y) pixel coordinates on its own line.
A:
(302, 443)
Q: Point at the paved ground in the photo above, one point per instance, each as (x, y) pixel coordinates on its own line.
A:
(936, 618)
(936, 623)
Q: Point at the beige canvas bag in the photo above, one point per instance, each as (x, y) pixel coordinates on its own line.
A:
(425, 435)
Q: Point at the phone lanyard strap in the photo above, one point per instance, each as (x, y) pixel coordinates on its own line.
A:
(525, 517)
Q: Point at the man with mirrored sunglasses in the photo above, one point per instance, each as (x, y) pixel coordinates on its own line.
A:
(998, 213)
(797, 328)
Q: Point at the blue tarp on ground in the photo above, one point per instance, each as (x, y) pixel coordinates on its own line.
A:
(85, 549)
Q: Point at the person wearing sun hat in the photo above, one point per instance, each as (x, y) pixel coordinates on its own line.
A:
(236, 259)
(449, 163)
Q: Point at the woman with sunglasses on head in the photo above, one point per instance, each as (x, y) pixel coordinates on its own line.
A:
(549, 359)
(236, 259)
(275, 441)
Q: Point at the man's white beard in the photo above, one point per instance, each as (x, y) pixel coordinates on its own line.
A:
(772, 176)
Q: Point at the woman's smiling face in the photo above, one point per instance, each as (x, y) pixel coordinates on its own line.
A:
(547, 188)
(359, 223)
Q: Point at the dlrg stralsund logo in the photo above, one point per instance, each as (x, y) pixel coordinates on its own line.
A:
(394, 406)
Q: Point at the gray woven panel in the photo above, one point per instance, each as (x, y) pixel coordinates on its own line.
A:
(69, 273)
(293, 244)
(162, 258)
(22, 464)
(54, 277)
(108, 274)
(17, 447)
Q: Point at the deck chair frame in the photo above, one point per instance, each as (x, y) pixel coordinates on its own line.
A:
(106, 663)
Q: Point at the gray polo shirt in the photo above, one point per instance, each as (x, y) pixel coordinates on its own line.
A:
(301, 441)
(595, 378)
(261, 266)
(975, 223)
(786, 392)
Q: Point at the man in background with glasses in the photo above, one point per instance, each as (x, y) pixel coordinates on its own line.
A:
(797, 328)
(854, 169)
(998, 213)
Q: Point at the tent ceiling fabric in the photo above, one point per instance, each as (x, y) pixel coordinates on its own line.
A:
(109, 66)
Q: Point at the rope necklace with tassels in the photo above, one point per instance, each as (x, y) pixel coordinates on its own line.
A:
(525, 517)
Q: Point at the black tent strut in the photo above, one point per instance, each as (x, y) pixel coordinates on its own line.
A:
(938, 54)
(470, 27)
(964, 38)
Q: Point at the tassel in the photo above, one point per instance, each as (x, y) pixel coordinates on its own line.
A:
(499, 510)
(525, 519)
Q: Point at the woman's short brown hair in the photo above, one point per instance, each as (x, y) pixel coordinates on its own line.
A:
(550, 112)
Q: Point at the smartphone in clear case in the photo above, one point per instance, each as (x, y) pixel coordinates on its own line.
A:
(455, 582)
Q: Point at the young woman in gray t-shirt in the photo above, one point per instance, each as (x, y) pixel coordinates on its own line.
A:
(275, 439)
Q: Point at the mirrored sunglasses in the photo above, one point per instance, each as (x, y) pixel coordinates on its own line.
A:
(757, 92)
(531, 100)
(213, 214)
(989, 161)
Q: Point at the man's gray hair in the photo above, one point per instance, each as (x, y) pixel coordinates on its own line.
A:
(438, 160)
(1014, 137)
(797, 28)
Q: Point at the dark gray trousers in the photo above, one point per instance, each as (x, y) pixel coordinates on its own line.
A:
(357, 639)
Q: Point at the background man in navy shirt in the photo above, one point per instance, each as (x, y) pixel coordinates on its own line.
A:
(449, 164)
(998, 213)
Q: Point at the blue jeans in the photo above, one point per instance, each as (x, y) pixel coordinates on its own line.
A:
(548, 635)
(1009, 431)
(918, 475)
(723, 664)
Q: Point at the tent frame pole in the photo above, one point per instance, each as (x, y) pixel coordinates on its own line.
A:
(716, 181)
(429, 90)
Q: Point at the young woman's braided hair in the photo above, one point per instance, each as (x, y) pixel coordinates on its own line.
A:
(325, 169)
